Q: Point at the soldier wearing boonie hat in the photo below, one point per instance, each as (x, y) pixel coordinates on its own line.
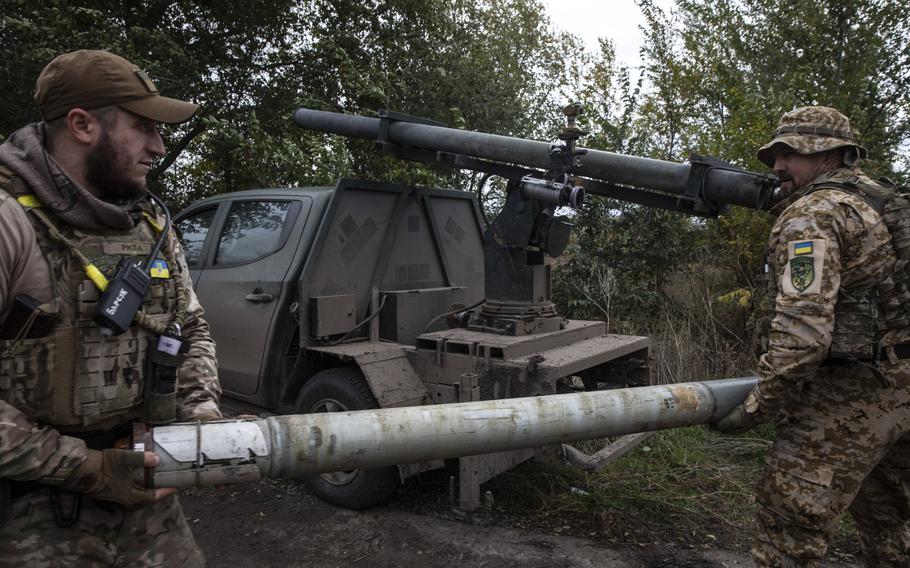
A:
(73, 206)
(810, 130)
(836, 376)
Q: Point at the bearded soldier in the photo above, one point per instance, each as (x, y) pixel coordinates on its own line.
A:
(836, 377)
(75, 216)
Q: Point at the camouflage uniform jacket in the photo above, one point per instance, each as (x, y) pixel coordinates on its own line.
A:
(824, 242)
(29, 451)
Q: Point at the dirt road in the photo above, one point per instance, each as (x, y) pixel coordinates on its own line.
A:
(279, 524)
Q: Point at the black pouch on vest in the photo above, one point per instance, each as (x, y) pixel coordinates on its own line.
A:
(26, 320)
(161, 397)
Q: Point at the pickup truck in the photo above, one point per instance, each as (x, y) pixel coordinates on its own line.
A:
(356, 296)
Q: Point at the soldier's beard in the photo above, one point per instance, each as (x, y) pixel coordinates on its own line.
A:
(104, 170)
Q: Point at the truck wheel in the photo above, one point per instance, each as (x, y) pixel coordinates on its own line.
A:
(337, 390)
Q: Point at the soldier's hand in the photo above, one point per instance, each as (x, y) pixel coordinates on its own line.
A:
(152, 460)
(109, 476)
(736, 421)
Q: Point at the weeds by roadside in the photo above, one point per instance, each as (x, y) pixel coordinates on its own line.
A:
(686, 486)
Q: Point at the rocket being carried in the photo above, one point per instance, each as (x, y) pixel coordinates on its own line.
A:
(234, 451)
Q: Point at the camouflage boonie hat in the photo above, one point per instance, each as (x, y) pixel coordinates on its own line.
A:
(808, 130)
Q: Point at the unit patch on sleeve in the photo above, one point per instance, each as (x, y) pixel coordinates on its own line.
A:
(802, 272)
(805, 262)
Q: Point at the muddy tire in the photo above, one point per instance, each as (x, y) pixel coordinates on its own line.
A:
(337, 390)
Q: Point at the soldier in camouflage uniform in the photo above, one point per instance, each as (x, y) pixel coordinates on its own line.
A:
(836, 377)
(73, 206)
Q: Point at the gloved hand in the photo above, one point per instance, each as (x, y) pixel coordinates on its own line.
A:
(108, 476)
(736, 421)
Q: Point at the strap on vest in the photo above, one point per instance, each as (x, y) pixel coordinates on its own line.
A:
(32, 204)
(29, 201)
(92, 271)
(153, 222)
(873, 196)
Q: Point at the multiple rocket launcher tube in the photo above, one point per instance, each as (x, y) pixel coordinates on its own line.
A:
(233, 451)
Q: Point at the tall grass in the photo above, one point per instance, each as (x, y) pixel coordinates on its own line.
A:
(703, 330)
(687, 485)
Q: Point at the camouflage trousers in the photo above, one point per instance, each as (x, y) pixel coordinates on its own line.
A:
(105, 535)
(842, 444)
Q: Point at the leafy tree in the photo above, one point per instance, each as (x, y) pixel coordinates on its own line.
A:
(214, 53)
(744, 63)
(747, 62)
(621, 256)
(717, 76)
(483, 64)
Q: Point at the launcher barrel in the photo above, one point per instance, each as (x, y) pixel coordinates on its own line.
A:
(724, 185)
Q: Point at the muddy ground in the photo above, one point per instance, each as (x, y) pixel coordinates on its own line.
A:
(280, 524)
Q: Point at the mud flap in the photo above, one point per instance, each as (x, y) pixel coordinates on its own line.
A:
(392, 378)
(395, 383)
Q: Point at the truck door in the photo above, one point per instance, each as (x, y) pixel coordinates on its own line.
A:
(244, 283)
(193, 232)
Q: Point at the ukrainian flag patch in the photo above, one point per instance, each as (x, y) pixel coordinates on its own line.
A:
(159, 269)
(802, 248)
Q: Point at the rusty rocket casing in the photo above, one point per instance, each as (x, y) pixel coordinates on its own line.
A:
(231, 451)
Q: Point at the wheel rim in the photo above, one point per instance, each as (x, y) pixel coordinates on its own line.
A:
(334, 477)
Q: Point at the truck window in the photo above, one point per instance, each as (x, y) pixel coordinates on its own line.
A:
(255, 229)
(192, 231)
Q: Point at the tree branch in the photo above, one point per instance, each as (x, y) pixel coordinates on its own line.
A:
(171, 156)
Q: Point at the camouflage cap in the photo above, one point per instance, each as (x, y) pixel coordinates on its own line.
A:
(809, 130)
(91, 79)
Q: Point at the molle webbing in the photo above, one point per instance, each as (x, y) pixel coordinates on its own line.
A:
(95, 275)
(891, 295)
(33, 205)
(76, 379)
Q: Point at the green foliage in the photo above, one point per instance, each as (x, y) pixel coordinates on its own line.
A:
(678, 486)
(717, 76)
(744, 63)
(614, 270)
(211, 52)
(490, 65)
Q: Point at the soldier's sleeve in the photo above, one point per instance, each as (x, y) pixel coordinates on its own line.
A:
(198, 390)
(12, 251)
(809, 262)
(30, 453)
(27, 452)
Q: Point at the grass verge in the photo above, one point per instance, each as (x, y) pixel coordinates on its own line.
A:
(687, 485)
